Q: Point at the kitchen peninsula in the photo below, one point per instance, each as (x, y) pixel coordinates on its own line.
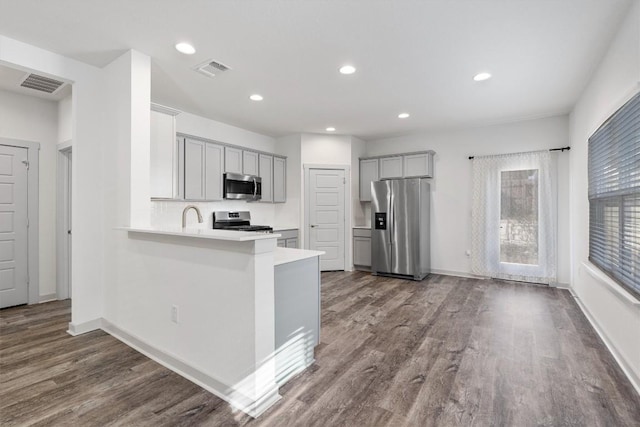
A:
(227, 310)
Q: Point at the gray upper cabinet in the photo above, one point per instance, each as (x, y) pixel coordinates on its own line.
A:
(202, 170)
(266, 173)
(250, 163)
(368, 174)
(164, 162)
(391, 167)
(418, 165)
(232, 160)
(406, 165)
(214, 165)
(279, 180)
(194, 169)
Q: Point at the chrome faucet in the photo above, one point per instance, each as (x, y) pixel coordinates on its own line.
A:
(184, 215)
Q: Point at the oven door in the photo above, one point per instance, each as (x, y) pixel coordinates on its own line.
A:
(242, 187)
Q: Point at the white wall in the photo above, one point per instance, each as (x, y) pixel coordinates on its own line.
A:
(35, 119)
(359, 214)
(615, 81)
(451, 186)
(65, 120)
(87, 192)
(289, 214)
(169, 213)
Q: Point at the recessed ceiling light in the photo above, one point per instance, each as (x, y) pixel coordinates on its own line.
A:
(331, 129)
(256, 97)
(347, 69)
(185, 48)
(481, 77)
(403, 115)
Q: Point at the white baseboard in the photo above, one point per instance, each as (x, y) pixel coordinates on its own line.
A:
(196, 376)
(626, 368)
(456, 273)
(84, 327)
(48, 297)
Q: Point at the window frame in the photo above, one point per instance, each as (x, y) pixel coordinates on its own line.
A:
(599, 198)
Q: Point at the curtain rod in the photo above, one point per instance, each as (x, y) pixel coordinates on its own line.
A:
(551, 149)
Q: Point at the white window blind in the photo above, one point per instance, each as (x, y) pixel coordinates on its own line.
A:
(614, 196)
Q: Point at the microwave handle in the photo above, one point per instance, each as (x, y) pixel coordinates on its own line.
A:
(255, 187)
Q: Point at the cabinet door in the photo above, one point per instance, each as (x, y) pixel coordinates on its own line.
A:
(232, 160)
(279, 180)
(194, 167)
(250, 163)
(418, 165)
(292, 243)
(266, 173)
(391, 167)
(213, 171)
(362, 251)
(368, 174)
(281, 243)
(164, 156)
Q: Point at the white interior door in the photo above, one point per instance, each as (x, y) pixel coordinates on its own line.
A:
(326, 216)
(13, 227)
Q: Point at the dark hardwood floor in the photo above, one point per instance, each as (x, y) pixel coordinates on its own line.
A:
(443, 352)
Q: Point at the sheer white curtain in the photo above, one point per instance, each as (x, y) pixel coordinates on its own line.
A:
(514, 217)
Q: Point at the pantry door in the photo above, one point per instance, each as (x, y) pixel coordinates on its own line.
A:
(326, 226)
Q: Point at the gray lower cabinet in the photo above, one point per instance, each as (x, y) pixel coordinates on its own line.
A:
(362, 249)
(288, 238)
(203, 163)
(266, 173)
(279, 180)
(297, 316)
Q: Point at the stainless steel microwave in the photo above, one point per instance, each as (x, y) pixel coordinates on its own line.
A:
(242, 187)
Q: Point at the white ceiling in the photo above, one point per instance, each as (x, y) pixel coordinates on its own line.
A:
(413, 56)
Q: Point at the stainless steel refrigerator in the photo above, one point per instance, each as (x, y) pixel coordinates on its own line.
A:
(400, 235)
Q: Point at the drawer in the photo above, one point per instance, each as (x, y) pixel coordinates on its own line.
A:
(287, 234)
(361, 232)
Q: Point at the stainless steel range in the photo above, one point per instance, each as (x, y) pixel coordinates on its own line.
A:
(239, 221)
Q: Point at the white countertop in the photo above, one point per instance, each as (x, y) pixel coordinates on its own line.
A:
(286, 255)
(204, 233)
(281, 228)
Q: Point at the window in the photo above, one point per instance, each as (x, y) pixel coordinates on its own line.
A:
(614, 196)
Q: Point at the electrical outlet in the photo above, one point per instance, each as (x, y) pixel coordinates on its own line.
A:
(174, 314)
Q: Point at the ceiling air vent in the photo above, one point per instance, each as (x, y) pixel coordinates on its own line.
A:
(41, 83)
(211, 68)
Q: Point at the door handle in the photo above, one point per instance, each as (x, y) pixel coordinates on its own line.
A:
(255, 187)
(313, 226)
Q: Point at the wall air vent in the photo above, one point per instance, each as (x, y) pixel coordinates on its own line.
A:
(41, 83)
(211, 68)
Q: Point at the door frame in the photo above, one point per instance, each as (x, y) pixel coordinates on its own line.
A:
(63, 260)
(33, 206)
(306, 229)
